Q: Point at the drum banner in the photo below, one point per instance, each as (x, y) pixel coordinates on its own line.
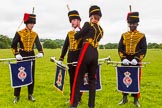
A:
(84, 84)
(128, 79)
(20, 73)
(60, 78)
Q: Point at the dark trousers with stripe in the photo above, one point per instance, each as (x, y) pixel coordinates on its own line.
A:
(31, 86)
(87, 62)
(72, 75)
(72, 57)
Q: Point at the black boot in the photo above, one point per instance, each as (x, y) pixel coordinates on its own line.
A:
(136, 102)
(124, 100)
(31, 98)
(16, 99)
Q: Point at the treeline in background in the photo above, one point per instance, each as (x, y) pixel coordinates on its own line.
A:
(5, 43)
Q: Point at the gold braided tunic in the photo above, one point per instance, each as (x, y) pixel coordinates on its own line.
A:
(73, 45)
(132, 45)
(25, 39)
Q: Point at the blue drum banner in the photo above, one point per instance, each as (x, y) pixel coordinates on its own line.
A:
(84, 84)
(128, 79)
(60, 78)
(20, 73)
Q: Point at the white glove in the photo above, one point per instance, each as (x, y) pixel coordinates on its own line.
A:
(126, 62)
(39, 55)
(134, 62)
(59, 62)
(19, 57)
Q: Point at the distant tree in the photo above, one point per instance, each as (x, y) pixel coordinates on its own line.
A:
(43, 40)
(59, 42)
(50, 44)
(111, 46)
(160, 45)
(153, 46)
(101, 47)
(5, 42)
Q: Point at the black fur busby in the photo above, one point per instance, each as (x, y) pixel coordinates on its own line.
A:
(29, 18)
(133, 17)
(73, 15)
(95, 10)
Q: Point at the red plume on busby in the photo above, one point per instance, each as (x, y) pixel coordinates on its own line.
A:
(29, 18)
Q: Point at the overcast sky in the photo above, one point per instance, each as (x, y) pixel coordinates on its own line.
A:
(53, 22)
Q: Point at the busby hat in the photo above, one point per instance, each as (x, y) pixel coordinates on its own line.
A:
(73, 15)
(133, 17)
(95, 10)
(29, 18)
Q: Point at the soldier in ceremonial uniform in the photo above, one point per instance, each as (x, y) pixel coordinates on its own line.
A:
(72, 45)
(88, 58)
(26, 38)
(132, 49)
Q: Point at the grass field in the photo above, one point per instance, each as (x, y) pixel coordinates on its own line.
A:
(47, 97)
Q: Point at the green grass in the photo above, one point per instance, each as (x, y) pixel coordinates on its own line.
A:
(47, 97)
